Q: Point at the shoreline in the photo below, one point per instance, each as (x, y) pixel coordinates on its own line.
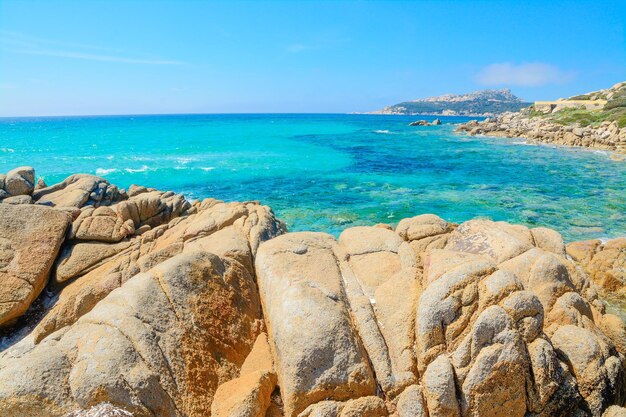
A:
(607, 136)
(526, 141)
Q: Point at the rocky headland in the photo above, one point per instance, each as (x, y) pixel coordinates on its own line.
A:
(140, 303)
(478, 103)
(594, 120)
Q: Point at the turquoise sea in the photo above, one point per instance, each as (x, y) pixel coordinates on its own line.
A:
(329, 172)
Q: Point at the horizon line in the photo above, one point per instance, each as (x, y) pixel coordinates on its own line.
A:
(216, 113)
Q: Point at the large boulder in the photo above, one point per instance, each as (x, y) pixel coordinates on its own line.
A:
(114, 223)
(79, 190)
(20, 181)
(30, 238)
(317, 351)
(604, 262)
(94, 269)
(158, 345)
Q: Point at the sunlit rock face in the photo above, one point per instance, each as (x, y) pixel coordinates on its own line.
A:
(160, 306)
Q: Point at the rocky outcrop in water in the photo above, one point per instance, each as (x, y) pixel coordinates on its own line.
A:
(212, 309)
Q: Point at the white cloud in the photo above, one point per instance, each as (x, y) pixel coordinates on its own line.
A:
(525, 75)
(30, 45)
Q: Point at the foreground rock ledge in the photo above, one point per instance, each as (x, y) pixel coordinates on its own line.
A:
(162, 307)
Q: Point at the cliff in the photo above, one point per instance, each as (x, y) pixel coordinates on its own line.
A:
(138, 302)
(478, 103)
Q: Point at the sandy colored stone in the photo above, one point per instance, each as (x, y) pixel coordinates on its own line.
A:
(420, 227)
(95, 276)
(410, 403)
(548, 240)
(249, 394)
(597, 367)
(158, 345)
(382, 287)
(364, 407)
(440, 389)
(501, 241)
(30, 238)
(615, 411)
(20, 181)
(317, 352)
(79, 190)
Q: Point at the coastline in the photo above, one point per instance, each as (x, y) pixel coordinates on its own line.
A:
(606, 136)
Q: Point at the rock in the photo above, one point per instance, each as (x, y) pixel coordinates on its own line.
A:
(615, 411)
(598, 370)
(420, 123)
(364, 407)
(605, 263)
(235, 231)
(318, 354)
(501, 241)
(20, 181)
(249, 394)
(420, 227)
(18, 199)
(436, 122)
(158, 345)
(101, 410)
(548, 240)
(380, 284)
(114, 223)
(411, 403)
(440, 389)
(41, 184)
(30, 238)
(79, 190)
(205, 309)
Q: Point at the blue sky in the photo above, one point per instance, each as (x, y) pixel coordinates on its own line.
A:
(113, 57)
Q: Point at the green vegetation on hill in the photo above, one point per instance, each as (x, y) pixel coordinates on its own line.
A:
(614, 110)
(484, 102)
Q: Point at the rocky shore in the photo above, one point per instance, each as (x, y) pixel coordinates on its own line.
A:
(592, 120)
(607, 135)
(140, 303)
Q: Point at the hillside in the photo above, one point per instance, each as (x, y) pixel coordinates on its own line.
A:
(591, 120)
(579, 109)
(478, 103)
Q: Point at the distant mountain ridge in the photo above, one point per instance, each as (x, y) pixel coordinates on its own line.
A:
(477, 103)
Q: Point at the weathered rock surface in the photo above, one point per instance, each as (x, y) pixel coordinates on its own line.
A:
(604, 262)
(30, 238)
(168, 308)
(248, 395)
(158, 345)
(79, 190)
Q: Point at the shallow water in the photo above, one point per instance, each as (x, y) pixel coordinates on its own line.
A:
(329, 172)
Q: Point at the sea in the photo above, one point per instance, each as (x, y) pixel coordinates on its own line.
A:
(327, 172)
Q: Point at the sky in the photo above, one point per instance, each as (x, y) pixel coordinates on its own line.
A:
(144, 57)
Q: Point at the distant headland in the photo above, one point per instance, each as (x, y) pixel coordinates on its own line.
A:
(479, 103)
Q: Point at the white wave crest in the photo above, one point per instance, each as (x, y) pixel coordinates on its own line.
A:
(133, 170)
(105, 171)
